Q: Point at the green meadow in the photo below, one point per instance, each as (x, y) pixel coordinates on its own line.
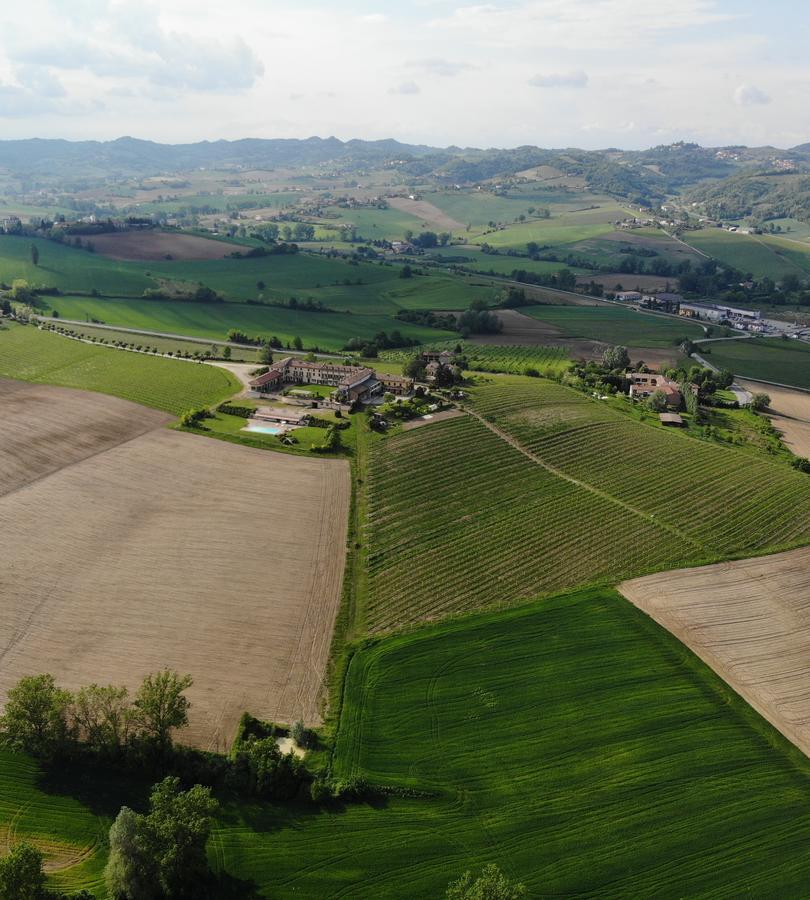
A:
(28, 354)
(328, 331)
(615, 324)
(774, 359)
(760, 255)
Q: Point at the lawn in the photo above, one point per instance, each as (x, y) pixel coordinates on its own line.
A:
(28, 354)
(786, 362)
(573, 742)
(615, 324)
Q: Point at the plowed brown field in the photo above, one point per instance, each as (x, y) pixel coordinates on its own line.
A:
(169, 549)
(148, 244)
(750, 621)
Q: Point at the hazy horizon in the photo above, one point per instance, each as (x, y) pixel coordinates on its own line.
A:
(550, 73)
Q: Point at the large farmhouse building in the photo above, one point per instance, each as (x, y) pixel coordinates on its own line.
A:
(645, 384)
(351, 383)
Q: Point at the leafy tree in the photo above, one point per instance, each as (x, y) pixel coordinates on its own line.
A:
(299, 732)
(657, 401)
(491, 884)
(226, 352)
(160, 705)
(161, 854)
(35, 254)
(724, 379)
(5, 306)
(102, 716)
(444, 238)
(616, 358)
(130, 874)
(21, 875)
(406, 271)
(36, 715)
(415, 368)
(760, 402)
(298, 343)
(266, 355)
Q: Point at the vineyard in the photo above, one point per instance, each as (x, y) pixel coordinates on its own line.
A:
(509, 360)
(28, 354)
(714, 497)
(458, 519)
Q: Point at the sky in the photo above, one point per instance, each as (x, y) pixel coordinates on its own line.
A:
(554, 73)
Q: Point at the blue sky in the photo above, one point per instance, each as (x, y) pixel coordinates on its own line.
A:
(588, 73)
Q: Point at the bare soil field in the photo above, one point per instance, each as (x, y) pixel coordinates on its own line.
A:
(433, 417)
(146, 245)
(790, 413)
(426, 211)
(47, 428)
(176, 550)
(609, 280)
(749, 621)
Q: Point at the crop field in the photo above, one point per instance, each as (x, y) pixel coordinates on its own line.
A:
(692, 488)
(164, 550)
(28, 354)
(786, 362)
(621, 732)
(615, 324)
(748, 621)
(460, 519)
(149, 244)
(756, 254)
(329, 331)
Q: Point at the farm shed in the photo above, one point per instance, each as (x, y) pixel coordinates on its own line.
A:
(672, 419)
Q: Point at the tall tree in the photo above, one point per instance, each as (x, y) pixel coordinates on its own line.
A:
(161, 706)
(35, 254)
(21, 875)
(491, 884)
(36, 715)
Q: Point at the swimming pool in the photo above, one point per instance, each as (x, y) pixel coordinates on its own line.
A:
(265, 429)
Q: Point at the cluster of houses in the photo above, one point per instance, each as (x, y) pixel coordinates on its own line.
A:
(668, 302)
(352, 384)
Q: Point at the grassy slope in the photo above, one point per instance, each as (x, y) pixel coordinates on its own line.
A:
(32, 355)
(787, 362)
(214, 320)
(760, 255)
(615, 324)
(573, 742)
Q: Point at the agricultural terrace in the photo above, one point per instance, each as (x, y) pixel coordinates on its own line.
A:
(714, 500)
(621, 731)
(615, 324)
(459, 519)
(786, 362)
(120, 558)
(28, 354)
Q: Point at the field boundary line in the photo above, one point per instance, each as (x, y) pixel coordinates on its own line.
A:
(648, 517)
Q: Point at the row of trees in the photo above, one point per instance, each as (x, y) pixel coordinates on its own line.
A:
(45, 720)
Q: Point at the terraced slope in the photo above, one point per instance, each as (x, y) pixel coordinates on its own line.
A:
(722, 500)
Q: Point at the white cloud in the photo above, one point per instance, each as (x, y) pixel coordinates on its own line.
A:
(578, 79)
(407, 88)
(749, 95)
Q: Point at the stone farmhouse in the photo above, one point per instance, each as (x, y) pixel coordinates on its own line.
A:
(644, 384)
(351, 383)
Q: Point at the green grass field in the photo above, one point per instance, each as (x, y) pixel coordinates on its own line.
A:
(759, 255)
(615, 324)
(572, 742)
(786, 362)
(214, 320)
(29, 354)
